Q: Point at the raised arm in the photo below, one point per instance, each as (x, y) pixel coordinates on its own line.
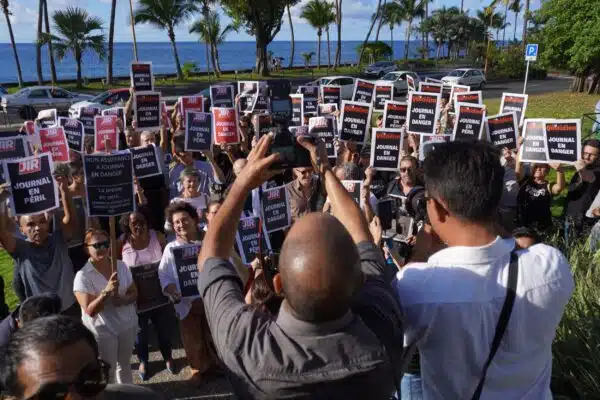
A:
(217, 171)
(69, 221)
(129, 105)
(7, 239)
(560, 184)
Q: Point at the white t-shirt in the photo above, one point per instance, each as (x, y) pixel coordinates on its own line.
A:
(113, 319)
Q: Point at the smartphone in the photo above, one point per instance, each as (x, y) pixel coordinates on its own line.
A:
(292, 154)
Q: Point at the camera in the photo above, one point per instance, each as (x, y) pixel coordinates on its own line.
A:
(416, 205)
(292, 154)
(281, 104)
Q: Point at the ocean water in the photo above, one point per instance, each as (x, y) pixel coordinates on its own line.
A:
(233, 55)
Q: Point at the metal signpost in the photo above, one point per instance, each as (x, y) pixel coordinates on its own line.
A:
(531, 53)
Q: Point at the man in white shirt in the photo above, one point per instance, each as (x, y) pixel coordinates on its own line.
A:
(452, 300)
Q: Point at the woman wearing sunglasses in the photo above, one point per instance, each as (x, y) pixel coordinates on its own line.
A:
(107, 298)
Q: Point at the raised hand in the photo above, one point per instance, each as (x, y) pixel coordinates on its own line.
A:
(257, 170)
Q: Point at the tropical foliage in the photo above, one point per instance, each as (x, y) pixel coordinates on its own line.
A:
(210, 32)
(319, 14)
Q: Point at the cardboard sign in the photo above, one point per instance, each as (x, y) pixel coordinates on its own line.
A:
(432, 80)
(410, 83)
(363, 91)
(326, 129)
(32, 187)
(276, 209)
(311, 99)
(262, 103)
(459, 89)
(147, 111)
(225, 125)
(141, 76)
(533, 149)
(109, 184)
(563, 140)
(428, 144)
(74, 133)
(467, 97)
(146, 161)
(514, 102)
(222, 96)
(394, 114)
(87, 116)
(248, 87)
(54, 141)
(106, 130)
(198, 131)
(297, 110)
(119, 112)
(164, 114)
(385, 149)
(191, 103)
(502, 130)
(263, 124)
(354, 188)
(147, 283)
(14, 147)
(327, 109)
(186, 265)
(246, 103)
(427, 87)
(46, 118)
(249, 237)
(383, 92)
(331, 94)
(469, 122)
(423, 112)
(355, 121)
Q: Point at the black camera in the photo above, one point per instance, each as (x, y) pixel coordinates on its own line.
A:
(281, 104)
(292, 154)
(416, 205)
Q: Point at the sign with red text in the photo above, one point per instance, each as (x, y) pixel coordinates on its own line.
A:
(141, 76)
(54, 141)
(106, 130)
(514, 102)
(331, 94)
(147, 111)
(533, 148)
(324, 128)
(427, 87)
(386, 144)
(467, 97)
(119, 112)
(190, 103)
(225, 127)
(563, 140)
(423, 112)
(394, 114)
(198, 131)
(502, 130)
(470, 120)
(355, 121)
(297, 110)
(363, 91)
(383, 92)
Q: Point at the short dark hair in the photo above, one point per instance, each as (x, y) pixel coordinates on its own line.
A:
(45, 335)
(528, 232)
(595, 143)
(467, 177)
(181, 206)
(43, 305)
(124, 221)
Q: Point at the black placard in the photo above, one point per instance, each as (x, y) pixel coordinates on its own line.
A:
(502, 130)
(109, 184)
(385, 149)
(297, 110)
(186, 264)
(198, 131)
(327, 109)
(147, 283)
(394, 114)
(326, 129)
(423, 112)
(74, 132)
(248, 238)
(311, 99)
(514, 102)
(533, 148)
(145, 161)
(469, 123)
(263, 124)
(141, 77)
(356, 120)
(248, 87)
(467, 97)
(12, 148)
(383, 92)
(563, 140)
(222, 96)
(427, 87)
(31, 184)
(262, 103)
(353, 188)
(87, 116)
(147, 110)
(363, 91)
(331, 94)
(276, 209)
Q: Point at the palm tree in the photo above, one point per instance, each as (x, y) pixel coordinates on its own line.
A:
(490, 20)
(439, 25)
(38, 44)
(50, 51)
(515, 7)
(210, 31)
(380, 15)
(525, 20)
(424, 16)
(338, 22)
(392, 15)
(373, 20)
(205, 10)
(307, 56)
(291, 3)
(7, 14)
(413, 9)
(330, 18)
(111, 39)
(165, 14)
(77, 34)
(317, 13)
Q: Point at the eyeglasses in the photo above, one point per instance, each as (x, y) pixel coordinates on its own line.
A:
(405, 169)
(89, 382)
(100, 245)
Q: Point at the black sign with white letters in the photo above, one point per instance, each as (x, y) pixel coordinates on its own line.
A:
(326, 129)
(147, 283)
(222, 96)
(249, 237)
(145, 161)
(356, 120)
(533, 148)
(109, 184)
(198, 131)
(331, 94)
(186, 264)
(503, 131)
(363, 91)
(469, 123)
(563, 140)
(385, 149)
(141, 77)
(394, 114)
(275, 208)
(147, 110)
(423, 112)
(383, 92)
(74, 132)
(87, 117)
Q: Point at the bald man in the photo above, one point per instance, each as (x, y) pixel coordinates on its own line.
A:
(338, 334)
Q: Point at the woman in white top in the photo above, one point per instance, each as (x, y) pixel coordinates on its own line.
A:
(190, 179)
(106, 298)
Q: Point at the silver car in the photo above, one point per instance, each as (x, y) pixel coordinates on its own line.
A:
(398, 79)
(28, 101)
(346, 82)
(379, 69)
(466, 76)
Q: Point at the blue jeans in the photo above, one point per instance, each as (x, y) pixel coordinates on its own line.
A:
(163, 321)
(411, 387)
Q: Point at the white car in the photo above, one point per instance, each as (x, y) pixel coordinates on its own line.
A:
(28, 101)
(346, 82)
(108, 99)
(466, 76)
(379, 69)
(398, 78)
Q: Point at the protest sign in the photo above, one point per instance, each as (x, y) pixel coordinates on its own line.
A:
(164, 114)
(248, 87)
(74, 133)
(427, 87)
(327, 109)
(355, 121)
(433, 80)
(324, 128)
(276, 209)
(263, 124)
(225, 127)
(54, 141)
(533, 148)
(106, 131)
(198, 131)
(147, 111)
(246, 103)
(467, 97)
(146, 161)
(458, 89)
(13, 147)
(514, 102)
(297, 110)
(354, 188)
(311, 99)
(386, 144)
(385, 211)
(222, 96)
(109, 184)
(46, 118)
(383, 92)
(502, 130)
(331, 94)
(147, 283)
(394, 114)
(141, 76)
(186, 264)
(119, 112)
(87, 117)
(410, 84)
(32, 187)
(563, 140)
(363, 91)
(429, 142)
(423, 112)
(262, 103)
(469, 121)
(250, 237)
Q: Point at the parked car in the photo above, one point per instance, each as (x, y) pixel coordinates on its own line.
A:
(28, 101)
(379, 69)
(398, 78)
(346, 82)
(466, 76)
(108, 99)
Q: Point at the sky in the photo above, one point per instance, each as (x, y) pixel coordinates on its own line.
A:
(356, 18)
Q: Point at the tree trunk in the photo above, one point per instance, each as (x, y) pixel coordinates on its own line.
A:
(407, 44)
(319, 33)
(426, 33)
(328, 49)
(362, 50)
(218, 62)
(462, 5)
(78, 62)
(14, 47)
(50, 51)
(338, 50)
(206, 45)
(291, 63)
(38, 45)
(504, 29)
(392, 39)
(594, 84)
(111, 39)
(262, 68)
(213, 56)
(525, 19)
(380, 14)
(437, 52)
(515, 32)
(171, 33)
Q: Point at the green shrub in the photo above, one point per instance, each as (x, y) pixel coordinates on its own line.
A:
(188, 68)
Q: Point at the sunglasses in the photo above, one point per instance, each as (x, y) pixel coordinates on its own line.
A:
(404, 169)
(100, 245)
(89, 382)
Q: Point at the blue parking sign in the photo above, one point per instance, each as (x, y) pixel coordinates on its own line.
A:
(531, 52)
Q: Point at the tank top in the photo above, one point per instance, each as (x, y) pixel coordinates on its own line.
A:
(149, 255)
(534, 201)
